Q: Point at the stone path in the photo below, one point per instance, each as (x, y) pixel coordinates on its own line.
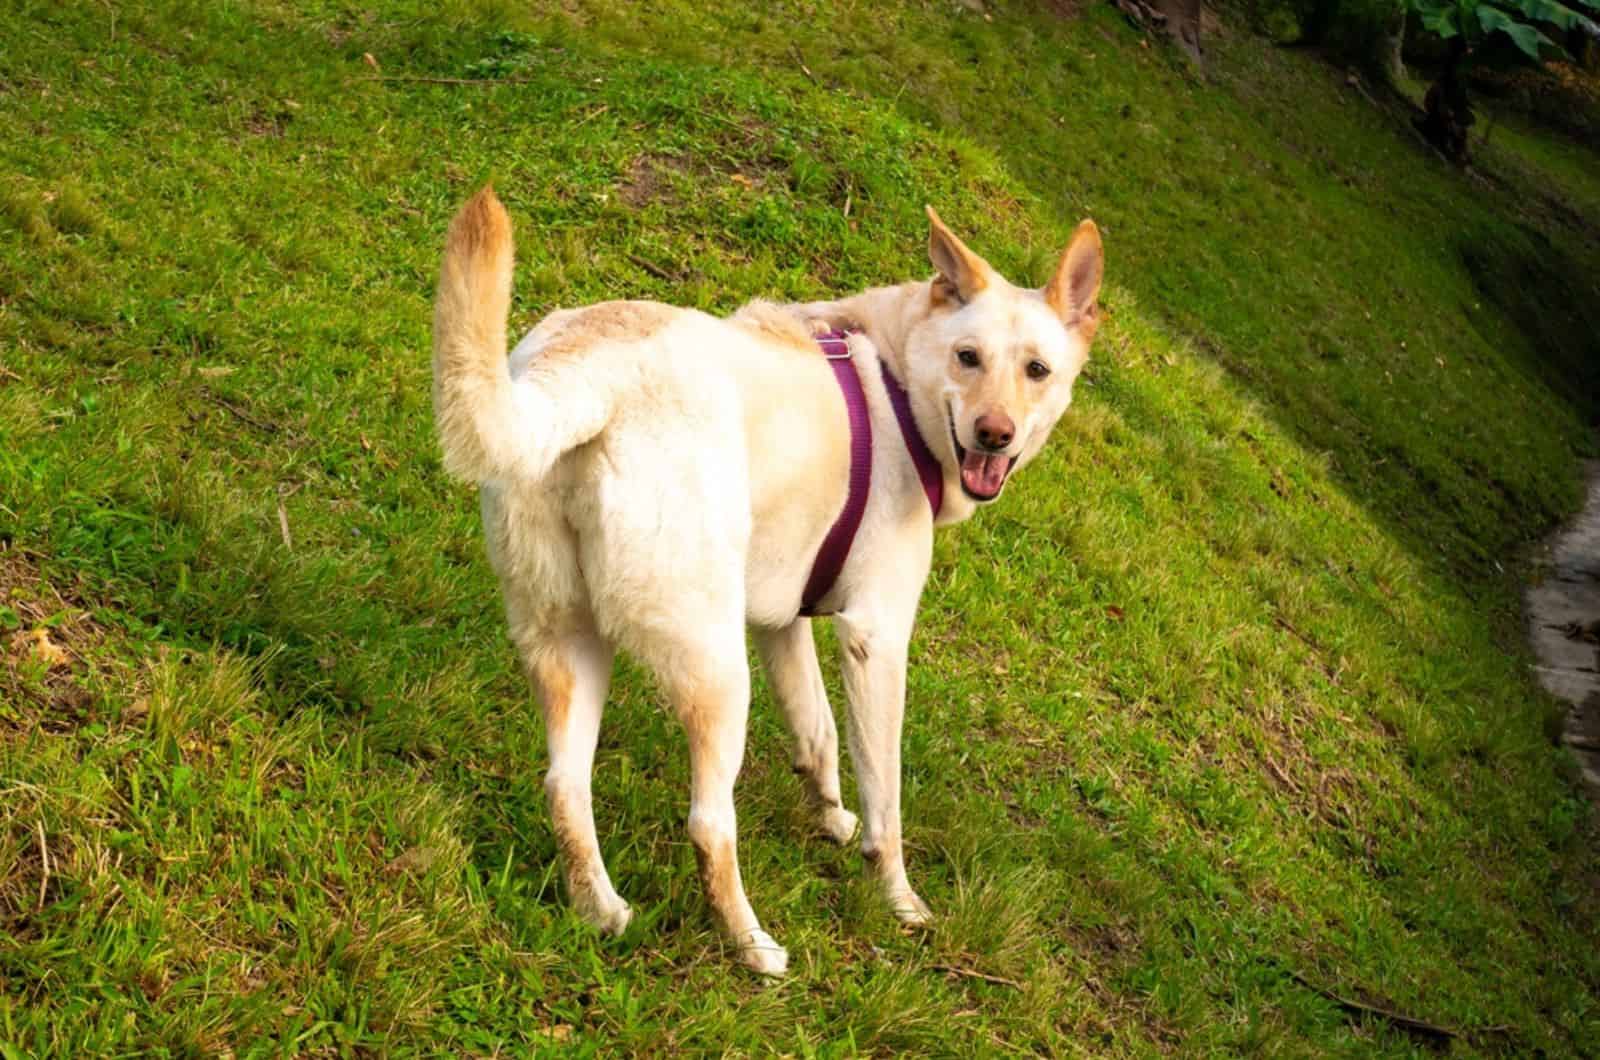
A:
(1564, 627)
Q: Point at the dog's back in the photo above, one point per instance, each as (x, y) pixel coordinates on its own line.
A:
(631, 440)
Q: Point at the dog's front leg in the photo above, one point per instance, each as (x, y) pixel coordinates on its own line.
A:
(873, 652)
(790, 657)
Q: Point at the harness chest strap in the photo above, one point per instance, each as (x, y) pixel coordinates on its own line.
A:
(836, 545)
(927, 465)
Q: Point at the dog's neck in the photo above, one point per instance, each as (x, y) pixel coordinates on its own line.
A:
(887, 315)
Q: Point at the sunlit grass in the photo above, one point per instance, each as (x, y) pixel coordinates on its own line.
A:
(1227, 697)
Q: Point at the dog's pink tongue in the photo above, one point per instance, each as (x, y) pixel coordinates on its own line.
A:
(984, 473)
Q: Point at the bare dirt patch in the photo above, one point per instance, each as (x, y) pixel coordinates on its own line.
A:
(43, 656)
(652, 177)
(1065, 8)
(649, 178)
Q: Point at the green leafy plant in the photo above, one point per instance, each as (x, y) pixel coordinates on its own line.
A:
(1520, 20)
(1467, 25)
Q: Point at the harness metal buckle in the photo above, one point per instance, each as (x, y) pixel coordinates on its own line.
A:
(842, 340)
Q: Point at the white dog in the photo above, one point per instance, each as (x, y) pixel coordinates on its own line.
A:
(659, 480)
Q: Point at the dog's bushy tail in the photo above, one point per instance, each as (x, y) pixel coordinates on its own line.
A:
(489, 426)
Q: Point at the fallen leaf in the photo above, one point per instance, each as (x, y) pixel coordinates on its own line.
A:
(417, 859)
(1115, 613)
(39, 644)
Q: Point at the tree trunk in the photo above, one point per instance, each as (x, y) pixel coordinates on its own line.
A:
(1183, 23)
(1179, 18)
(1318, 22)
(1583, 48)
(1369, 41)
(1386, 63)
(1446, 111)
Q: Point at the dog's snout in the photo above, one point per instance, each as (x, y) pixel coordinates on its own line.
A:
(995, 430)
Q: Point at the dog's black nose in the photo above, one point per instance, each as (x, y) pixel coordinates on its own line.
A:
(995, 430)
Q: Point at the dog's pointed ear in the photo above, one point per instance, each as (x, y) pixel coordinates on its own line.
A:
(1073, 290)
(962, 274)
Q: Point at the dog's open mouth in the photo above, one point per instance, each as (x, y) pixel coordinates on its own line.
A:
(982, 474)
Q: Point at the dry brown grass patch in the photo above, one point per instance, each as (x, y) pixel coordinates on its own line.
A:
(649, 178)
(45, 661)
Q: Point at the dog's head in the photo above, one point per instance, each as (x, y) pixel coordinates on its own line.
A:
(993, 365)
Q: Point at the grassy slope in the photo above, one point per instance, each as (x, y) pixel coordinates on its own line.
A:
(1226, 698)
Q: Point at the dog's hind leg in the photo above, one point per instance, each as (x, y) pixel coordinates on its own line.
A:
(572, 674)
(709, 687)
(790, 658)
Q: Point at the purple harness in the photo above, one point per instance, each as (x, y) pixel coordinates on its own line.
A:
(836, 545)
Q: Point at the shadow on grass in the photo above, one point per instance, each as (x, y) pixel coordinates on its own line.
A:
(1539, 285)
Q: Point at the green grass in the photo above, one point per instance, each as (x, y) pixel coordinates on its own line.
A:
(1226, 699)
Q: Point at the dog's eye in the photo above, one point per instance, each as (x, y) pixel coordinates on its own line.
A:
(1038, 369)
(967, 356)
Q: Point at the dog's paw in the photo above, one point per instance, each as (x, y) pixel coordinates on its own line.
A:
(609, 916)
(910, 910)
(762, 954)
(822, 322)
(838, 824)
